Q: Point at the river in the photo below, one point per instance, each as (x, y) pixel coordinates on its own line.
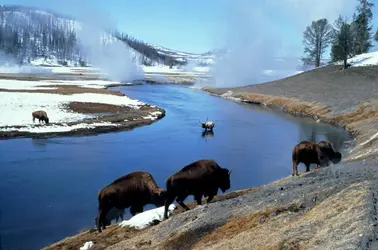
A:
(48, 187)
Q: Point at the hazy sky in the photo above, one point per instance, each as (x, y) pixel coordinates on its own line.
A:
(198, 26)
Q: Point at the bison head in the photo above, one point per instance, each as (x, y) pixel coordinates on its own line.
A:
(336, 157)
(159, 197)
(224, 180)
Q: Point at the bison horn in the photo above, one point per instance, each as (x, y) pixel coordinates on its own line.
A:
(229, 172)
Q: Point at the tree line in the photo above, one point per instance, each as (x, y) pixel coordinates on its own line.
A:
(27, 33)
(345, 38)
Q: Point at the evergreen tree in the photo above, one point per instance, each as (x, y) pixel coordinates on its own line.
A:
(316, 39)
(362, 28)
(342, 43)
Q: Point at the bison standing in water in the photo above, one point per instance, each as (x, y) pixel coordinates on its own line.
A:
(199, 178)
(41, 116)
(309, 152)
(134, 190)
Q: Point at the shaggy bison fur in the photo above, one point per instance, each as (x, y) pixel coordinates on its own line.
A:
(134, 190)
(308, 152)
(199, 178)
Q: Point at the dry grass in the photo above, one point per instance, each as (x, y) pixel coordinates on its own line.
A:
(291, 105)
(220, 197)
(338, 220)
(90, 108)
(66, 90)
(360, 122)
(108, 237)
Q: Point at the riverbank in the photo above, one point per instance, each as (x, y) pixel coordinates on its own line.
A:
(328, 94)
(330, 208)
(76, 107)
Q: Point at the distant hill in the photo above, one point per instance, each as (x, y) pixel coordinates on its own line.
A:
(29, 34)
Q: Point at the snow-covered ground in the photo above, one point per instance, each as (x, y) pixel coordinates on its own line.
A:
(145, 219)
(16, 107)
(87, 245)
(32, 85)
(366, 59)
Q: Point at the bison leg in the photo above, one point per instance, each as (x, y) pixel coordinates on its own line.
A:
(101, 219)
(307, 167)
(295, 169)
(136, 209)
(33, 119)
(180, 200)
(169, 200)
(198, 198)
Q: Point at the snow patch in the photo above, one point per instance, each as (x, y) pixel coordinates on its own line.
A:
(153, 115)
(87, 245)
(369, 140)
(16, 108)
(365, 59)
(145, 219)
(229, 95)
(57, 128)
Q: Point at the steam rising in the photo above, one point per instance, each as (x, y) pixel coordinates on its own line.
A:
(110, 55)
(264, 38)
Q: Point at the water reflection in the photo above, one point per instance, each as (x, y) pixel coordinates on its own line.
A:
(207, 133)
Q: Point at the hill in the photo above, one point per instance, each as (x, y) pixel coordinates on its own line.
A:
(43, 37)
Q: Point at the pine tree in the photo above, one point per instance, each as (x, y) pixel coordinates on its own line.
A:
(362, 28)
(316, 39)
(342, 43)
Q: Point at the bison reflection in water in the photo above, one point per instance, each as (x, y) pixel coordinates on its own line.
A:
(308, 152)
(199, 178)
(207, 133)
(134, 190)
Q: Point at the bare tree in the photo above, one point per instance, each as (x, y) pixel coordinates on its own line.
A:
(316, 39)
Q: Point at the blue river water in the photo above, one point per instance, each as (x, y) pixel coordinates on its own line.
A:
(48, 187)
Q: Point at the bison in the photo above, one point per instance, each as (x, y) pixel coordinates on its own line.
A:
(134, 190)
(309, 152)
(208, 125)
(202, 177)
(41, 116)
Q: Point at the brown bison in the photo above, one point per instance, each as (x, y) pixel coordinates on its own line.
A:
(41, 116)
(202, 177)
(134, 190)
(309, 152)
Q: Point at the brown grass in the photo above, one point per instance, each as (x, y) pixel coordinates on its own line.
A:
(108, 237)
(242, 224)
(291, 105)
(360, 122)
(65, 90)
(35, 77)
(220, 197)
(89, 108)
(296, 228)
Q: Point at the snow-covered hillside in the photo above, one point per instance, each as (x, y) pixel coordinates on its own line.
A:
(205, 59)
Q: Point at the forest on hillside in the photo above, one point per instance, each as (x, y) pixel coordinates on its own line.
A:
(28, 33)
